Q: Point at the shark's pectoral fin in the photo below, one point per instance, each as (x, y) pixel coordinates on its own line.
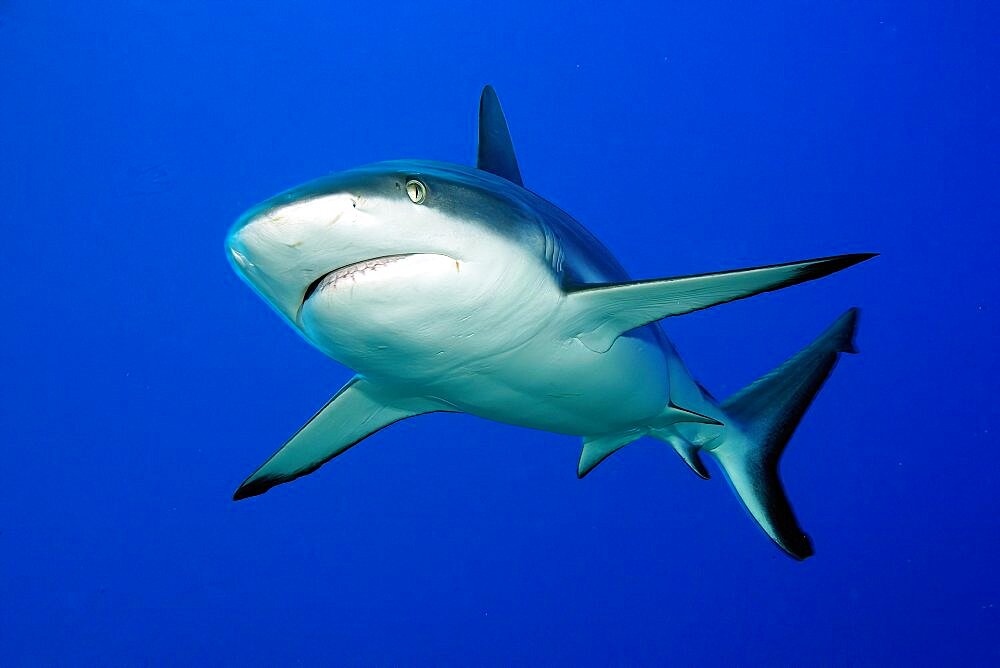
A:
(496, 150)
(353, 414)
(602, 313)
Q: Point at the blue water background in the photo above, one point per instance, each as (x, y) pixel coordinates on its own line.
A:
(142, 380)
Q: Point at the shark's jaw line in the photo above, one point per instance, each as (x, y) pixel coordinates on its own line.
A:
(356, 269)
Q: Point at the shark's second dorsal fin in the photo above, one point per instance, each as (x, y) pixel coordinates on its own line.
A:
(496, 150)
(602, 313)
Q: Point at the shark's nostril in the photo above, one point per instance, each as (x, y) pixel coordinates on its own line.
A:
(240, 259)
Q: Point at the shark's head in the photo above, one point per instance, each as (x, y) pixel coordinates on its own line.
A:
(396, 254)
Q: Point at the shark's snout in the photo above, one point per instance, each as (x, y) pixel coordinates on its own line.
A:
(241, 257)
(236, 246)
(251, 255)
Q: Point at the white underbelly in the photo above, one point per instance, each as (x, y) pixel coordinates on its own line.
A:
(423, 325)
(564, 387)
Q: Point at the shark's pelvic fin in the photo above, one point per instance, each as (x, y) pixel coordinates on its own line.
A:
(602, 313)
(767, 412)
(598, 448)
(496, 150)
(353, 414)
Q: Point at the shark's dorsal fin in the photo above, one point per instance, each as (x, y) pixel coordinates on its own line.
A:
(496, 150)
(602, 313)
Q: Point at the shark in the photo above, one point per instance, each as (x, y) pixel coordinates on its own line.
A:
(451, 288)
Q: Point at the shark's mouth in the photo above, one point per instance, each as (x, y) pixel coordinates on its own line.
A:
(351, 273)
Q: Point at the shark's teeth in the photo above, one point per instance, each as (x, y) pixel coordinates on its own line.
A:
(356, 270)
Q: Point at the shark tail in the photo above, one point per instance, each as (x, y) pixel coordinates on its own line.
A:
(761, 420)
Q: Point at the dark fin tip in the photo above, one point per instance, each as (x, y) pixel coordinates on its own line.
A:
(257, 487)
(852, 259)
(861, 257)
(697, 417)
(245, 492)
(800, 550)
(698, 466)
(847, 326)
(831, 265)
(581, 475)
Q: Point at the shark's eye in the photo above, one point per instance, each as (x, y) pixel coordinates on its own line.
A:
(416, 190)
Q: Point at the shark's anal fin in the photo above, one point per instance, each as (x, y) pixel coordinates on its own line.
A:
(496, 150)
(598, 448)
(665, 431)
(352, 415)
(688, 451)
(599, 314)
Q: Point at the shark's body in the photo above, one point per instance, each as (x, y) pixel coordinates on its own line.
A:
(451, 288)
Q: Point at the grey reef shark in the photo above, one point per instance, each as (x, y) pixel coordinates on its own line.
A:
(456, 289)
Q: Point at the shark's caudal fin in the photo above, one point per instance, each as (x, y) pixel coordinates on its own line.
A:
(762, 417)
(496, 150)
(602, 313)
